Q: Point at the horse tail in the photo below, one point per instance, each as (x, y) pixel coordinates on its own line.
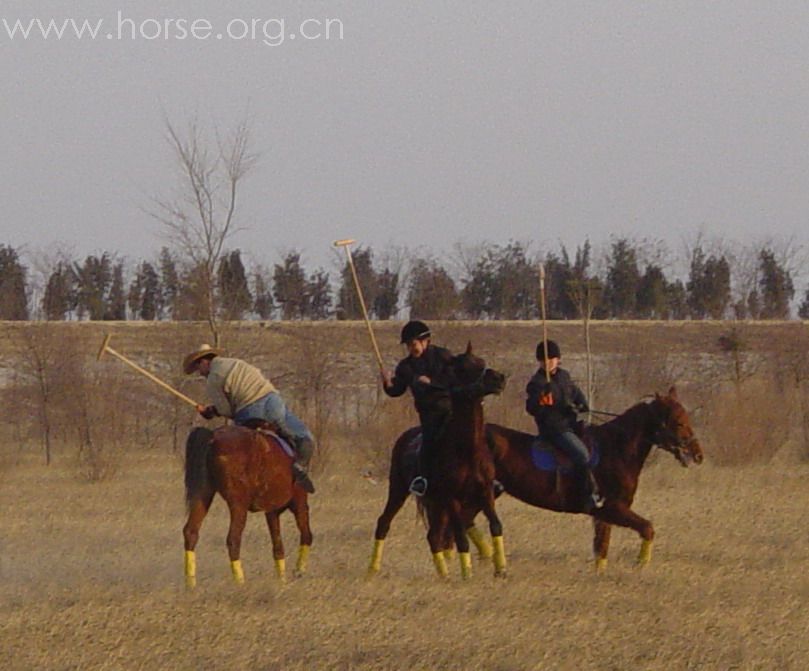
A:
(197, 449)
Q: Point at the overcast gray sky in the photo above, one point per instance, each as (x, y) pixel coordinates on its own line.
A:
(428, 122)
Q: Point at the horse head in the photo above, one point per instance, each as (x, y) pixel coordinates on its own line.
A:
(473, 378)
(672, 429)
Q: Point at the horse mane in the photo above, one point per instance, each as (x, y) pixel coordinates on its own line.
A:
(621, 425)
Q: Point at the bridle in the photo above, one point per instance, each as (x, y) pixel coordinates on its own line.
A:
(668, 440)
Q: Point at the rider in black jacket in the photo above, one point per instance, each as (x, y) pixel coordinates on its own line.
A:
(553, 405)
(426, 372)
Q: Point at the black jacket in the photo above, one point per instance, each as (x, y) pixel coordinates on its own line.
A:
(565, 398)
(430, 398)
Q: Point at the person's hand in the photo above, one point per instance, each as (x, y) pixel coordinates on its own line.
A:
(208, 412)
(387, 379)
(424, 379)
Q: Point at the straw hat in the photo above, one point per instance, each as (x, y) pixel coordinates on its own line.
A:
(204, 350)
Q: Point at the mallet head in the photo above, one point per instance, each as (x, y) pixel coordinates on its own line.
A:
(343, 243)
(104, 344)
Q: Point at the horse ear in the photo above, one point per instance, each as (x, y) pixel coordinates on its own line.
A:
(469, 347)
(673, 393)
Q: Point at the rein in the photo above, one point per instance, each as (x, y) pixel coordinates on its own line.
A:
(605, 413)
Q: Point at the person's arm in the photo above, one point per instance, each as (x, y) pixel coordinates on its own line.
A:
(580, 400)
(534, 392)
(400, 381)
(215, 388)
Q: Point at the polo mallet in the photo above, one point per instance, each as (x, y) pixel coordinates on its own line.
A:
(105, 347)
(544, 320)
(345, 244)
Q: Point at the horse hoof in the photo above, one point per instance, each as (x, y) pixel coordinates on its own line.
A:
(502, 574)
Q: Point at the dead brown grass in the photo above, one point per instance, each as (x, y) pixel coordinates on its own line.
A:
(91, 567)
(91, 578)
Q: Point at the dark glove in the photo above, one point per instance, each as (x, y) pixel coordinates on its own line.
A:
(208, 412)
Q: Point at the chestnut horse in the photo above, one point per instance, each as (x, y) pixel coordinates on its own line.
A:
(622, 446)
(462, 472)
(252, 470)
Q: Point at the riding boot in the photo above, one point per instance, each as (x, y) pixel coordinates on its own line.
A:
(588, 488)
(302, 448)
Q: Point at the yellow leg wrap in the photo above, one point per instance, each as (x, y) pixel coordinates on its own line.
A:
(238, 572)
(376, 557)
(600, 565)
(483, 546)
(466, 565)
(190, 569)
(440, 564)
(303, 559)
(281, 569)
(449, 553)
(645, 555)
(499, 556)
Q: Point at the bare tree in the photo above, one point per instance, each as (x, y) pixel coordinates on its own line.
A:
(199, 217)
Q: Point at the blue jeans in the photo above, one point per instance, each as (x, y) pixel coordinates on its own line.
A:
(572, 446)
(271, 408)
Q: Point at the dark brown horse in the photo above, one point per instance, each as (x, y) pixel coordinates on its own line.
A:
(622, 445)
(462, 472)
(252, 471)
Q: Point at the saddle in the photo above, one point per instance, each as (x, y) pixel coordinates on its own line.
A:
(547, 457)
(411, 452)
(268, 429)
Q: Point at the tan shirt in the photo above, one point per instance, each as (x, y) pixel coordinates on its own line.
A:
(233, 384)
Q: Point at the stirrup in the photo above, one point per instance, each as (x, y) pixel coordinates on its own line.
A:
(419, 486)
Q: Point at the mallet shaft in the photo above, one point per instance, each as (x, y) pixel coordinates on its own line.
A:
(345, 245)
(146, 373)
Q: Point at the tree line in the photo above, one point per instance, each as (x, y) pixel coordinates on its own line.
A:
(492, 282)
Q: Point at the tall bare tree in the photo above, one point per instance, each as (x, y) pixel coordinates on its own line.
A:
(199, 217)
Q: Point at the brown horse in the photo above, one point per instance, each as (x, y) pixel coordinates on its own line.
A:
(251, 470)
(623, 445)
(462, 473)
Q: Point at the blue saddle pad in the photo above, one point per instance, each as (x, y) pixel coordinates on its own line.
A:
(543, 454)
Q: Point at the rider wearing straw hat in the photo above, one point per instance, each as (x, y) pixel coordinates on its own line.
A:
(552, 398)
(240, 392)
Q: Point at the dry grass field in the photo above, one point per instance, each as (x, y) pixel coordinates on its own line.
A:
(91, 578)
(91, 550)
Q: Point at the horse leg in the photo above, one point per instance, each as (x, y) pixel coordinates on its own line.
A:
(238, 519)
(461, 542)
(274, 525)
(621, 515)
(482, 545)
(601, 544)
(300, 509)
(449, 543)
(496, 530)
(436, 537)
(197, 511)
(397, 495)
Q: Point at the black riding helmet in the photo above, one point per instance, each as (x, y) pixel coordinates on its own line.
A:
(414, 330)
(553, 350)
